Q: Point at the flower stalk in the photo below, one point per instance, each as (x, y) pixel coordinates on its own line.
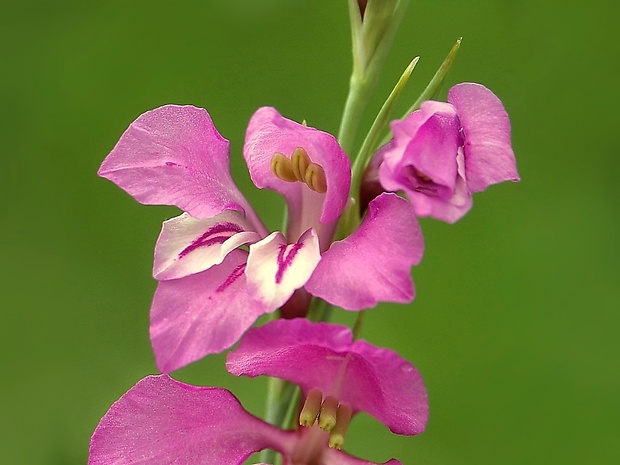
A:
(373, 29)
(373, 26)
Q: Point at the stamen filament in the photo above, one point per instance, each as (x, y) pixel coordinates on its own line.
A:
(343, 420)
(311, 408)
(327, 417)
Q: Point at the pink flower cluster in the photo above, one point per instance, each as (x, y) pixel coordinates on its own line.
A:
(219, 269)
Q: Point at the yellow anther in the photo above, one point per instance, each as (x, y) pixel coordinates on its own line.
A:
(315, 178)
(299, 168)
(300, 161)
(311, 408)
(282, 168)
(327, 417)
(338, 432)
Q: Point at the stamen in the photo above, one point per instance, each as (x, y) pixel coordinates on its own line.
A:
(343, 419)
(282, 168)
(315, 178)
(327, 417)
(311, 408)
(299, 168)
(300, 161)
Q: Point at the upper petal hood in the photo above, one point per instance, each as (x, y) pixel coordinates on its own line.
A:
(269, 132)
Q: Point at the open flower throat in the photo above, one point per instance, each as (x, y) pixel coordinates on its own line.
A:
(328, 414)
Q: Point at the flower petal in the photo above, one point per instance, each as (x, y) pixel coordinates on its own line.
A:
(268, 132)
(161, 421)
(174, 155)
(336, 457)
(374, 263)
(189, 245)
(323, 356)
(427, 141)
(422, 161)
(449, 210)
(489, 158)
(276, 269)
(202, 314)
(433, 149)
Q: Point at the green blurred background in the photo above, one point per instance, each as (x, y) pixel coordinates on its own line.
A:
(514, 327)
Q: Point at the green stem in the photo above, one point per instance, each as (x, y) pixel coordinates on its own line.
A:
(283, 396)
(320, 310)
(371, 140)
(280, 394)
(357, 328)
(355, 105)
(351, 216)
(293, 409)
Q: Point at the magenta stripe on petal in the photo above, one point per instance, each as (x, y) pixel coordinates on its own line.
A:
(276, 269)
(232, 277)
(218, 234)
(285, 259)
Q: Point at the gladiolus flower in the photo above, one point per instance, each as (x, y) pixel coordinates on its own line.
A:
(161, 421)
(218, 267)
(444, 152)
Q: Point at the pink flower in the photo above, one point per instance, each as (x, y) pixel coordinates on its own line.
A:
(444, 152)
(324, 357)
(161, 421)
(210, 290)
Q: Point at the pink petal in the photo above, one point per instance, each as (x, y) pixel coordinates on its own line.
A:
(449, 210)
(161, 421)
(189, 245)
(433, 149)
(489, 158)
(336, 457)
(173, 155)
(374, 263)
(268, 132)
(276, 269)
(202, 314)
(427, 143)
(323, 356)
